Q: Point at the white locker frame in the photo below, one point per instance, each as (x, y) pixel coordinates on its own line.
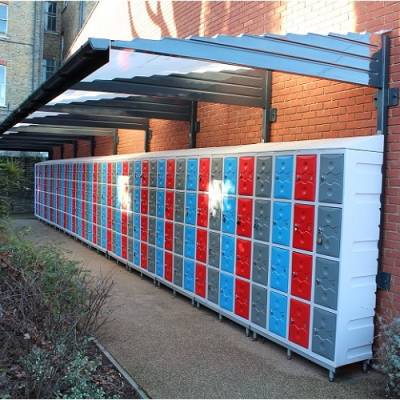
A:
(362, 186)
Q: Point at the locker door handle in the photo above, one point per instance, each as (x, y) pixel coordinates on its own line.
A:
(319, 236)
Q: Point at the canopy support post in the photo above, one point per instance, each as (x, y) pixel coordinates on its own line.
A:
(147, 137)
(75, 147)
(269, 114)
(62, 152)
(115, 142)
(194, 125)
(92, 146)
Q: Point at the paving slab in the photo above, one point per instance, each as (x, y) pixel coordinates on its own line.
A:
(174, 350)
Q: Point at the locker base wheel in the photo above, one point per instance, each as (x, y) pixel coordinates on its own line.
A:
(331, 376)
(365, 366)
(289, 354)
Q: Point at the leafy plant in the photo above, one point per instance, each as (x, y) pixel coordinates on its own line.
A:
(11, 180)
(388, 356)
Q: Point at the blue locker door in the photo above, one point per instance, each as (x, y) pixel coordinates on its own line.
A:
(190, 208)
(160, 262)
(281, 225)
(279, 269)
(104, 237)
(119, 168)
(230, 175)
(283, 177)
(161, 174)
(136, 253)
(278, 314)
(226, 292)
(190, 241)
(136, 200)
(192, 172)
(136, 226)
(188, 275)
(229, 214)
(227, 253)
(138, 173)
(160, 203)
(160, 233)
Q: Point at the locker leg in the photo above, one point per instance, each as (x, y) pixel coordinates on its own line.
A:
(247, 332)
(289, 354)
(220, 317)
(158, 284)
(154, 282)
(198, 304)
(174, 292)
(193, 303)
(141, 275)
(254, 337)
(117, 262)
(365, 366)
(331, 376)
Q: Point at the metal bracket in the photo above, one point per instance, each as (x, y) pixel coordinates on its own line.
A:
(383, 280)
(115, 142)
(194, 125)
(148, 133)
(273, 114)
(392, 97)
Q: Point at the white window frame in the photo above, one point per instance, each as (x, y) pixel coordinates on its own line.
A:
(5, 86)
(50, 15)
(6, 31)
(44, 68)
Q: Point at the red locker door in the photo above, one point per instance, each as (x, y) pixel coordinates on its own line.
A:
(303, 229)
(246, 175)
(243, 257)
(124, 222)
(143, 255)
(200, 286)
(201, 247)
(94, 193)
(170, 174)
(109, 239)
(169, 235)
(299, 322)
(124, 247)
(109, 173)
(145, 173)
(144, 201)
(109, 217)
(204, 174)
(94, 213)
(305, 177)
(168, 266)
(301, 275)
(202, 209)
(244, 217)
(242, 296)
(144, 228)
(109, 196)
(169, 204)
(125, 168)
(95, 165)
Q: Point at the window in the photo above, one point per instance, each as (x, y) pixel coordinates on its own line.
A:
(49, 66)
(2, 85)
(3, 18)
(50, 12)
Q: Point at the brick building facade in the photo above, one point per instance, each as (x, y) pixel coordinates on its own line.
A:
(307, 108)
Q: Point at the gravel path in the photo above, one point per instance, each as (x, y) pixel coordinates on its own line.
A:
(174, 350)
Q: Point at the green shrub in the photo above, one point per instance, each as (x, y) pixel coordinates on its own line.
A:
(48, 307)
(11, 180)
(388, 360)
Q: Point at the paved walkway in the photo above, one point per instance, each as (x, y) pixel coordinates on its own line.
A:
(174, 350)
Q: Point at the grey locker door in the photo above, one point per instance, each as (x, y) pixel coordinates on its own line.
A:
(152, 202)
(259, 305)
(153, 173)
(326, 282)
(331, 178)
(152, 230)
(213, 285)
(179, 206)
(215, 207)
(151, 263)
(213, 248)
(329, 230)
(263, 176)
(130, 250)
(178, 268)
(180, 174)
(178, 239)
(216, 169)
(262, 217)
(260, 263)
(324, 333)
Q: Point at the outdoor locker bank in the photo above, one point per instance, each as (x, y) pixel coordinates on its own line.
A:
(280, 237)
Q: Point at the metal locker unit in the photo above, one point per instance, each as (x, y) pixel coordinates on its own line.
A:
(279, 237)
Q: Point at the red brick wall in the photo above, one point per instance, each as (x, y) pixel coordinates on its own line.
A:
(307, 108)
(130, 141)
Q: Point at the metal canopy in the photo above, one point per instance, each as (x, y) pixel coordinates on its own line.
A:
(116, 84)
